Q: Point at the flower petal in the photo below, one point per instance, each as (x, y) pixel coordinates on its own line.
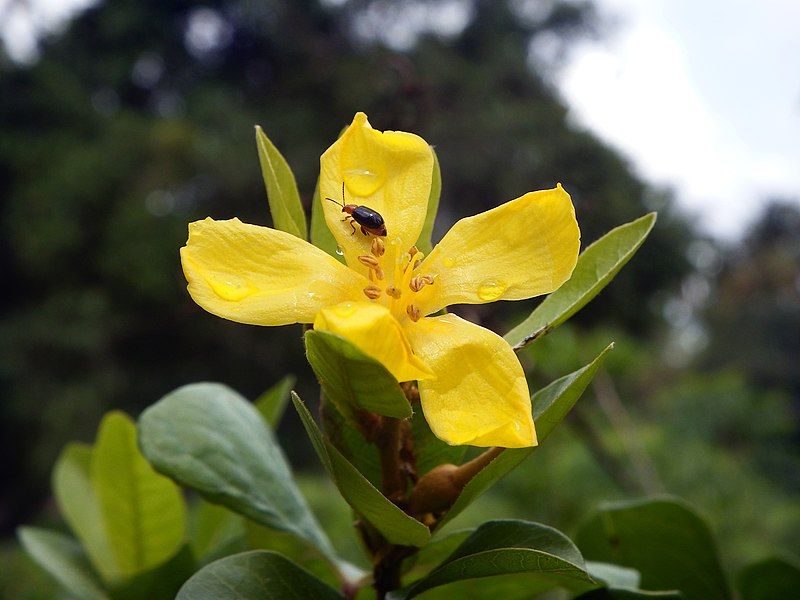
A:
(262, 276)
(521, 249)
(374, 331)
(389, 172)
(479, 396)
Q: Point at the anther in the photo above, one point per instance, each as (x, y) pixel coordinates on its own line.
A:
(417, 264)
(416, 283)
(378, 273)
(413, 312)
(393, 292)
(412, 251)
(369, 261)
(373, 292)
(378, 247)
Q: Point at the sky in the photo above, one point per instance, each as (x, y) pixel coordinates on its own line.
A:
(700, 96)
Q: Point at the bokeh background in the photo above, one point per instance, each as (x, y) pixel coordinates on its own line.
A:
(122, 120)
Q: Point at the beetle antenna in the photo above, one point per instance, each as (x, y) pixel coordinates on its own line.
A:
(342, 193)
(335, 202)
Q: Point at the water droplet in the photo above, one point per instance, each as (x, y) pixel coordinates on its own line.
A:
(230, 287)
(362, 182)
(339, 251)
(491, 289)
(345, 309)
(448, 261)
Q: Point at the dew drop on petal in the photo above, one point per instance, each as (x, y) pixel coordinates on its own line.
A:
(339, 251)
(230, 287)
(362, 182)
(491, 289)
(345, 309)
(448, 261)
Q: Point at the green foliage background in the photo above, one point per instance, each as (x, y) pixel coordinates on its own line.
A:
(127, 127)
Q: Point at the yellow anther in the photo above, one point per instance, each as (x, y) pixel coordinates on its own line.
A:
(369, 261)
(378, 247)
(379, 273)
(416, 283)
(428, 279)
(412, 251)
(373, 292)
(413, 312)
(393, 292)
(417, 264)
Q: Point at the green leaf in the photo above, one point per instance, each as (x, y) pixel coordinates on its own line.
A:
(424, 241)
(597, 266)
(255, 575)
(284, 199)
(161, 582)
(614, 575)
(430, 451)
(432, 554)
(72, 487)
(272, 403)
(395, 525)
(64, 559)
(509, 547)
(214, 531)
(350, 441)
(143, 512)
(321, 236)
(207, 437)
(626, 594)
(550, 405)
(352, 380)
(770, 578)
(667, 542)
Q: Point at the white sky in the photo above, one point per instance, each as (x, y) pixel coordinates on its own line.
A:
(703, 95)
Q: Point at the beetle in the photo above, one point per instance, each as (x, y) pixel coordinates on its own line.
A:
(370, 220)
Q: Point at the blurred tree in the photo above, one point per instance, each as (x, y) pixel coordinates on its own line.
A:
(138, 119)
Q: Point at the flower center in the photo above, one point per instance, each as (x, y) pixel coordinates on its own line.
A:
(398, 291)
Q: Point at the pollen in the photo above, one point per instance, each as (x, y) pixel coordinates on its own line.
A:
(413, 312)
(373, 292)
(393, 292)
(378, 248)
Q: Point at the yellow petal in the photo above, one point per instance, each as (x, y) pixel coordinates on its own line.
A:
(479, 396)
(521, 249)
(389, 172)
(374, 331)
(262, 276)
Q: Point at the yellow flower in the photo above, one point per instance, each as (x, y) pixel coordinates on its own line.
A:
(472, 387)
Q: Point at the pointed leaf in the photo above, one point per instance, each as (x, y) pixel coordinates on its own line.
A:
(509, 547)
(424, 242)
(64, 559)
(321, 236)
(664, 539)
(774, 577)
(284, 200)
(352, 380)
(550, 405)
(395, 525)
(72, 487)
(255, 575)
(143, 512)
(597, 266)
(272, 403)
(207, 437)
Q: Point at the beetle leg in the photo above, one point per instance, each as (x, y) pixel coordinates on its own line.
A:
(353, 226)
(364, 231)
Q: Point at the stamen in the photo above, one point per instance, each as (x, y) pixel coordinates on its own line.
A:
(373, 292)
(416, 283)
(417, 264)
(393, 292)
(413, 312)
(369, 261)
(378, 247)
(379, 273)
(412, 251)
